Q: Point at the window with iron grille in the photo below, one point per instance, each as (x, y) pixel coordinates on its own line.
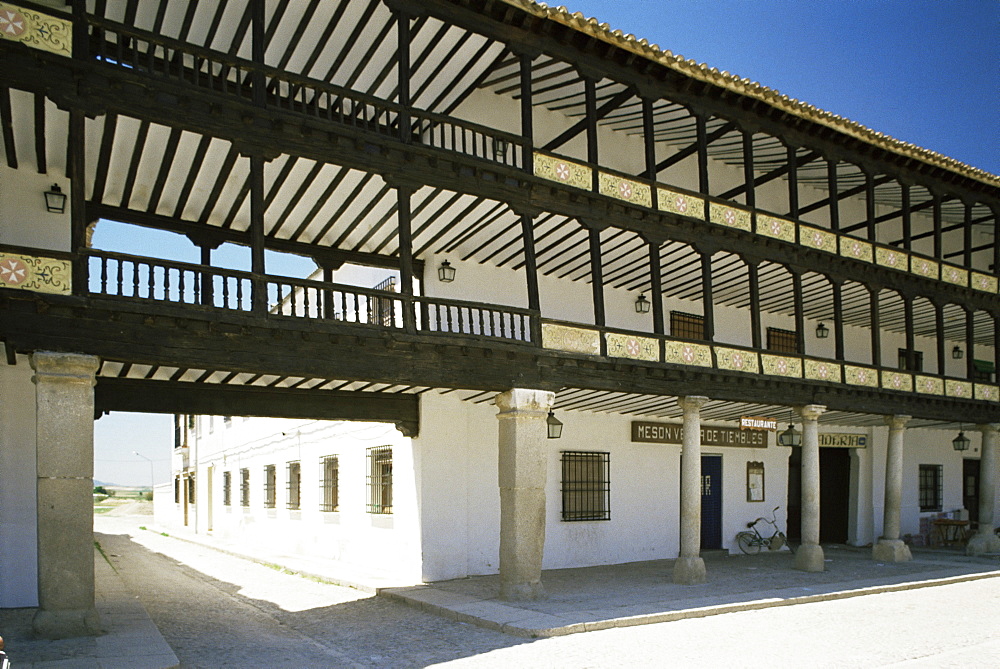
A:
(687, 326)
(586, 485)
(177, 489)
(918, 360)
(931, 485)
(244, 487)
(270, 481)
(190, 488)
(330, 482)
(227, 488)
(380, 479)
(294, 484)
(782, 341)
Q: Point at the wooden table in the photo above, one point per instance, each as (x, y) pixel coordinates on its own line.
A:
(951, 532)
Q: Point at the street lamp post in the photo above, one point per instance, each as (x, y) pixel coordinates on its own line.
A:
(150, 469)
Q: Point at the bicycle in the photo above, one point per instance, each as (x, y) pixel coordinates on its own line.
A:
(751, 542)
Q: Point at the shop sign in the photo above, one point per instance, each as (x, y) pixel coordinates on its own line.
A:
(670, 433)
(758, 423)
(843, 440)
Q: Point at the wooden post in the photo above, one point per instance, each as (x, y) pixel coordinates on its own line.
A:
(938, 250)
(838, 319)
(702, 141)
(870, 205)
(527, 122)
(597, 278)
(941, 347)
(649, 137)
(259, 289)
(706, 296)
(800, 323)
(753, 279)
(207, 280)
(831, 184)
(78, 201)
(873, 293)
(404, 217)
(531, 274)
(911, 356)
(793, 183)
(970, 343)
(967, 238)
(257, 50)
(748, 172)
(656, 285)
(590, 98)
(907, 219)
(403, 69)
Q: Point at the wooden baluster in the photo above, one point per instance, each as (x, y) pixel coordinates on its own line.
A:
(182, 288)
(291, 298)
(151, 283)
(104, 276)
(305, 301)
(120, 283)
(166, 283)
(225, 292)
(482, 323)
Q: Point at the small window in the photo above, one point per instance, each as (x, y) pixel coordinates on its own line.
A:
(330, 483)
(190, 488)
(294, 484)
(244, 487)
(782, 341)
(918, 360)
(227, 488)
(687, 326)
(930, 487)
(380, 479)
(586, 487)
(177, 489)
(270, 481)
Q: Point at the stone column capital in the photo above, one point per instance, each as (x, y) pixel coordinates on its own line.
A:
(897, 421)
(811, 412)
(64, 367)
(525, 401)
(986, 428)
(691, 402)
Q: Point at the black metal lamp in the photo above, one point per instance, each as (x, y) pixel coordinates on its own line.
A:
(500, 146)
(790, 437)
(957, 353)
(961, 442)
(446, 273)
(554, 425)
(822, 332)
(55, 200)
(642, 305)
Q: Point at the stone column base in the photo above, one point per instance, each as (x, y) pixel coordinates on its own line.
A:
(809, 557)
(891, 550)
(983, 543)
(66, 624)
(522, 592)
(689, 571)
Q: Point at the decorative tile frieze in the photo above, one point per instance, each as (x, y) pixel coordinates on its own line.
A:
(956, 388)
(858, 249)
(562, 171)
(683, 353)
(892, 258)
(680, 203)
(36, 30)
(924, 267)
(929, 385)
(38, 274)
(626, 189)
(823, 370)
(954, 275)
(573, 340)
(984, 282)
(736, 360)
(632, 347)
(778, 228)
(987, 392)
(779, 365)
(823, 240)
(861, 376)
(729, 216)
(897, 381)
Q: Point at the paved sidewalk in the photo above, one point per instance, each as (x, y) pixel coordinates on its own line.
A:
(130, 641)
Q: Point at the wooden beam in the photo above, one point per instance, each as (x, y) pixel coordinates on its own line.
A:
(850, 192)
(707, 303)
(597, 277)
(41, 160)
(691, 149)
(772, 175)
(583, 125)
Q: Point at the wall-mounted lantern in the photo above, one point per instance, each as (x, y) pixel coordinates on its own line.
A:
(642, 305)
(822, 332)
(961, 442)
(957, 353)
(446, 273)
(554, 425)
(55, 200)
(500, 147)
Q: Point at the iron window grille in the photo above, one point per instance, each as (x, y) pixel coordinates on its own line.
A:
(782, 341)
(227, 488)
(294, 484)
(270, 482)
(244, 487)
(586, 485)
(687, 326)
(330, 483)
(380, 479)
(931, 487)
(177, 489)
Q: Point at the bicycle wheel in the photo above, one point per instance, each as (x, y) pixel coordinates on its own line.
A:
(776, 542)
(748, 543)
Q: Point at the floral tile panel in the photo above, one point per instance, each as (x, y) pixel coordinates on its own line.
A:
(929, 385)
(683, 353)
(924, 267)
(632, 347)
(41, 275)
(823, 370)
(36, 30)
(897, 381)
(626, 189)
(960, 389)
(861, 376)
(730, 216)
(562, 171)
(573, 340)
(778, 228)
(822, 240)
(779, 365)
(987, 392)
(736, 360)
(984, 282)
(892, 258)
(856, 248)
(954, 275)
(680, 203)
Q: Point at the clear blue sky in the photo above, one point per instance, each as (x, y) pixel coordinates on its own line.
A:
(922, 71)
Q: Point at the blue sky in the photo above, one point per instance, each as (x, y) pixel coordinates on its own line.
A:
(922, 71)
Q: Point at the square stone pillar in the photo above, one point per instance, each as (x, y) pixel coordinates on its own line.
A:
(64, 390)
(522, 475)
(809, 556)
(890, 548)
(985, 539)
(689, 569)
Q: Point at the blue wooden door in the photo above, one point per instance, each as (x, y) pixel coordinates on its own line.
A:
(711, 501)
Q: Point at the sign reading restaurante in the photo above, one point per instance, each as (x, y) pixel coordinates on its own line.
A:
(758, 423)
(670, 433)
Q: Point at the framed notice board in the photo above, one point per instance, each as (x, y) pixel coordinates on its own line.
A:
(755, 481)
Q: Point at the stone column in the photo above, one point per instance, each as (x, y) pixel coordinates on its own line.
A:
(889, 548)
(689, 568)
(809, 556)
(522, 475)
(64, 391)
(985, 539)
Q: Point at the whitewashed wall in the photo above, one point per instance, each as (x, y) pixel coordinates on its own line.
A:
(24, 220)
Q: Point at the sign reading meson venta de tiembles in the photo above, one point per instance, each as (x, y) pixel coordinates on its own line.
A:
(670, 433)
